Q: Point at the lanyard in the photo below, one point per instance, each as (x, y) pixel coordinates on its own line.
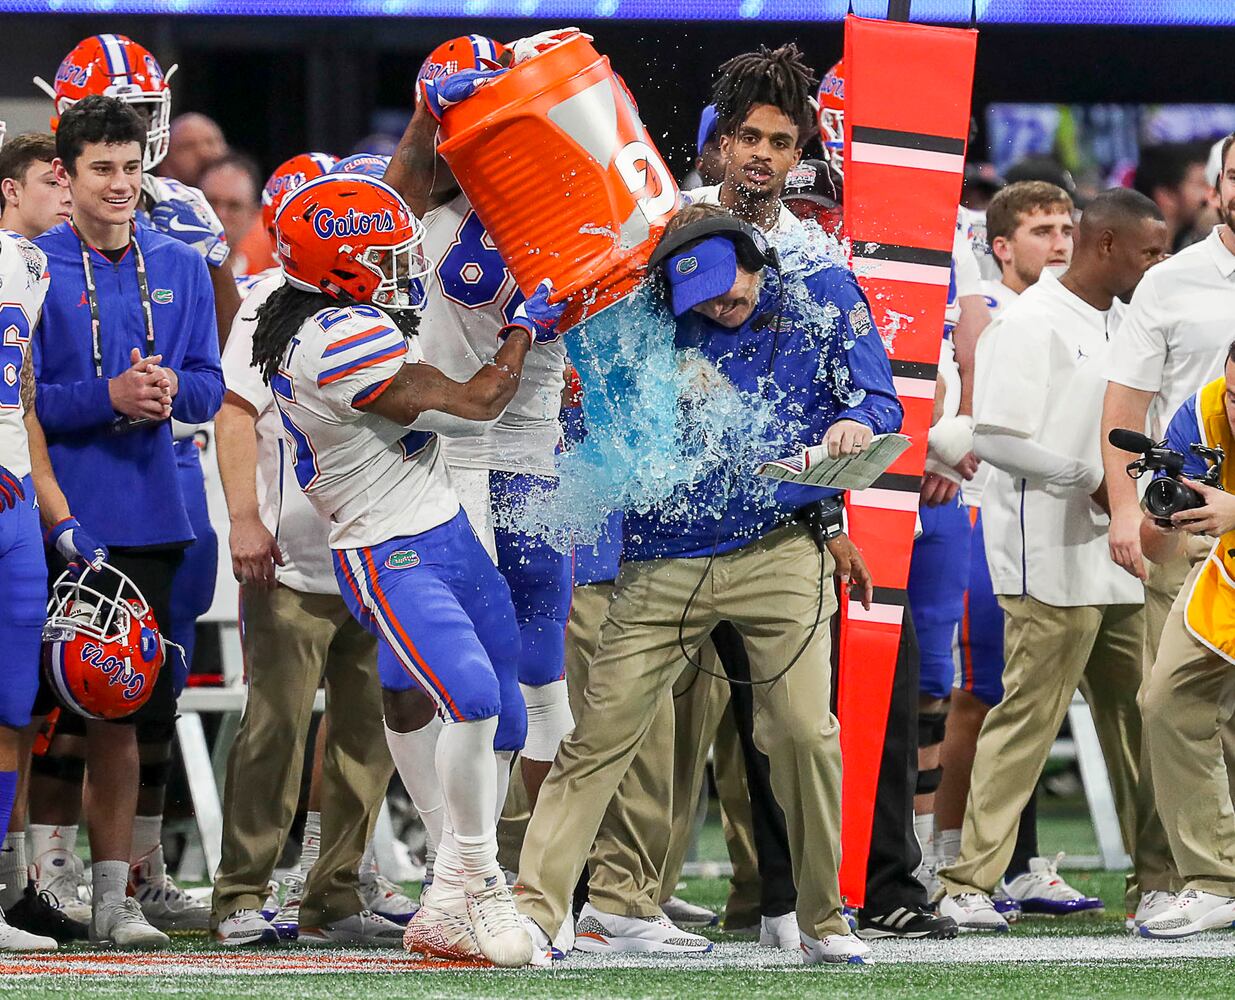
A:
(92, 299)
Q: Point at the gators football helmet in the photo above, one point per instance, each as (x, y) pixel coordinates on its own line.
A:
(289, 175)
(351, 235)
(464, 52)
(102, 649)
(116, 66)
(832, 117)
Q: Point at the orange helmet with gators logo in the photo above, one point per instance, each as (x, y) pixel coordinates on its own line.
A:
(289, 175)
(832, 116)
(102, 649)
(351, 235)
(464, 52)
(116, 66)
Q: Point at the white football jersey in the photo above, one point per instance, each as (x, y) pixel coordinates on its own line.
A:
(469, 296)
(23, 286)
(966, 275)
(998, 296)
(372, 478)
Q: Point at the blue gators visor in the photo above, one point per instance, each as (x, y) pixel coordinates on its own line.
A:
(704, 271)
(707, 128)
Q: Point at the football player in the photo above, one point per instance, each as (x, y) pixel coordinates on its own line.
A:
(25, 470)
(115, 66)
(470, 296)
(362, 412)
(31, 199)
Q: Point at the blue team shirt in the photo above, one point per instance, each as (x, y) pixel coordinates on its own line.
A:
(815, 379)
(123, 487)
(1181, 433)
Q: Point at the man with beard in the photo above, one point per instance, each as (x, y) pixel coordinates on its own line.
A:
(1175, 338)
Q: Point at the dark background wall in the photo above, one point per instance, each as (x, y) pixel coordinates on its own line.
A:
(280, 86)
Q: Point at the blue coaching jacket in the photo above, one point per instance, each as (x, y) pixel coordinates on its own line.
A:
(123, 487)
(814, 373)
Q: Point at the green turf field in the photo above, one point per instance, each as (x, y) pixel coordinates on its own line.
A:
(1040, 958)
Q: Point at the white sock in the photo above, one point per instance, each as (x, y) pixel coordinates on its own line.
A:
(110, 880)
(447, 867)
(368, 861)
(469, 788)
(44, 838)
(505, 759)
(548, 719)
(13, 874)
(924, 830)
(415, 757)
(147, 835)
(311, 842)
(947, 846)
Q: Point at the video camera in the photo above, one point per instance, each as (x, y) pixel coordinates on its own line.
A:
(1167, 494)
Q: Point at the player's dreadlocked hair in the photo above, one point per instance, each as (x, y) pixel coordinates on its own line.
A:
(281, 316)
(779, 77)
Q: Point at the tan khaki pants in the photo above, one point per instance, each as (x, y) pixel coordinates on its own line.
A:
(1189, 700)
(291, 642)
(770, 590)
(633, 839)
(742, 908)
(1049, 652)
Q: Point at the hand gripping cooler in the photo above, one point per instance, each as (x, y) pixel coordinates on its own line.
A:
(563, 175)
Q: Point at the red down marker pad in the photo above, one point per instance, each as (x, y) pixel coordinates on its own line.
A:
(907, 101)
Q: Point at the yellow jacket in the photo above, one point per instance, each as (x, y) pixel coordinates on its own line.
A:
(1210, 612)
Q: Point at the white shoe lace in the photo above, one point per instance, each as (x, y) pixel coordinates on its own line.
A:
(496, 907)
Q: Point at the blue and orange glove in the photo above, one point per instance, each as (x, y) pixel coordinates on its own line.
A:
(11, 490)
(75, 546)
(537, 315)
(444, 92)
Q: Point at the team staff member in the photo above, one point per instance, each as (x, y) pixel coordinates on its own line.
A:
(1029, 225)
(1188, 695)
(1071, 616)
(685, 569)
(1174, 340)
(127, 342)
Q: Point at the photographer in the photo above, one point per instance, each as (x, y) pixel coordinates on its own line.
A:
(1072, 617)
(1188, 698)
(728, 548)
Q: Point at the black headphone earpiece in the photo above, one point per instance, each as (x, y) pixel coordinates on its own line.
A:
(752, 247)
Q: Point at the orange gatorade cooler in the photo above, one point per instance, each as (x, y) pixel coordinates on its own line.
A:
(565, 178)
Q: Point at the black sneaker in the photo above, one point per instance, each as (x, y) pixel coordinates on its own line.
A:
(905, 922)
(35, 914)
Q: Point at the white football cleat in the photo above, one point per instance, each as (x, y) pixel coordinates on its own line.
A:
(121, 923)
(1152, 903)
(442, 927)
(499, 932)
(564, 940)
(686, 914)
(835, 949)
(165, 905)
(381, 896)
(287, 920)
(780, 932)
(973, 911)
(603, 933)
(62, 874)
(544, 954)
(1042, 890)
(1192, 912)
(245, 927)
(15, 939)
(271, 906)
(360, 930)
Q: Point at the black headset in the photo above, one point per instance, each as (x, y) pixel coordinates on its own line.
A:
(752, 247)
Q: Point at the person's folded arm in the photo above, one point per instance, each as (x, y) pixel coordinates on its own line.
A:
(1026, 459)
